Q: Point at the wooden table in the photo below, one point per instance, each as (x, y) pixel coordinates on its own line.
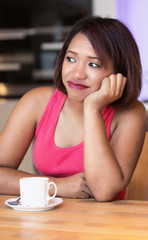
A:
(77, 219)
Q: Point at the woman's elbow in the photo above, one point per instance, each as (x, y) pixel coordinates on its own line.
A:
(99, 197)
(105, 195)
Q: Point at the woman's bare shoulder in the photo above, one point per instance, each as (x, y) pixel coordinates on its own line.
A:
(40, 95)
(35, 101)
(136, 110)
(131, 118)
(135, 116)
(40, 92)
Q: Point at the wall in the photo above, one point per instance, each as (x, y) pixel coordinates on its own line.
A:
(104, 8)
(6, 107)
(134, 14)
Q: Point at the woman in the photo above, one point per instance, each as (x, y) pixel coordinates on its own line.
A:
(89, 129)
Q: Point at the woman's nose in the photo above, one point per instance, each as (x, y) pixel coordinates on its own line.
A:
(80, 72)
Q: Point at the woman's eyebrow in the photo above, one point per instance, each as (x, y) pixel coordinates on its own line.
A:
(93, 57)
(69, 51)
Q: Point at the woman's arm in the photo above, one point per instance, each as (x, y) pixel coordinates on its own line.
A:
(16, 137)
(70, 187)
(110, 165)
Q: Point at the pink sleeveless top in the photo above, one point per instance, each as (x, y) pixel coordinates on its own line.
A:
(51, 160)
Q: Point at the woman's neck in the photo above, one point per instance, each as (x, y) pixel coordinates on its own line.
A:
(74, 107)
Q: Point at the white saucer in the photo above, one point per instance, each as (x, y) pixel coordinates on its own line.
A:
(53, 203)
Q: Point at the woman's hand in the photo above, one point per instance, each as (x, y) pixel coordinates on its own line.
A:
(111, 89)
(73, 187)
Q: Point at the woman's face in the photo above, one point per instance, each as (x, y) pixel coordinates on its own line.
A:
(82, 71)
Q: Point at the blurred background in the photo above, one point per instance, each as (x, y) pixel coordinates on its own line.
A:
(32, 33)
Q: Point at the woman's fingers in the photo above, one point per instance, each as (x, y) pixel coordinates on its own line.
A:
(117, 84)
(114, 85)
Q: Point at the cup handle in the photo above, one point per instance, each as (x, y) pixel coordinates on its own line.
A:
(55, 187)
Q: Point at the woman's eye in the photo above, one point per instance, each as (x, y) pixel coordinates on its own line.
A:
(70, 59)
(94, 65)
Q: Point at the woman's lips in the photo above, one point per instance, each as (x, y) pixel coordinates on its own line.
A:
(76, 85)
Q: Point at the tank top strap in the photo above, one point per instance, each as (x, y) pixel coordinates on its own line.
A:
(52, 109)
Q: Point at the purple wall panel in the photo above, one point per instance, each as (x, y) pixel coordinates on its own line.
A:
(134, 14)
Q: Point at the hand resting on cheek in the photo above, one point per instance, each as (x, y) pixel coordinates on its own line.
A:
(111, 89)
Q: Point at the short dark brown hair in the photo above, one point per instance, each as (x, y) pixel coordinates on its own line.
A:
(113, 41)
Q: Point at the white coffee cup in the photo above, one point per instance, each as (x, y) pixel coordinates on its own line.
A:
(34, 191)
